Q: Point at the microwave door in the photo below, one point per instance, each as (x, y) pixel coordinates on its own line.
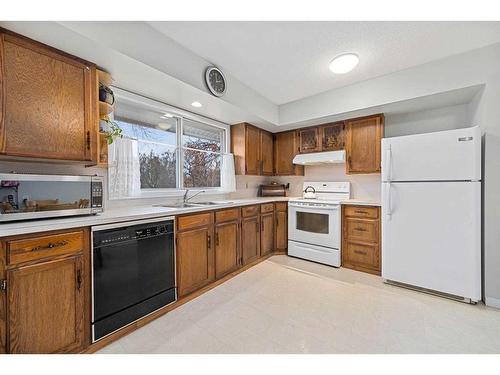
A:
(25, 196)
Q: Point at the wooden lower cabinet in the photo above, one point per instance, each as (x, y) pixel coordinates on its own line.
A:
(227, 257)
(266, 233)
(250, 239)
(46, 307)
(195, 259)
(281, 226)
(361, 238)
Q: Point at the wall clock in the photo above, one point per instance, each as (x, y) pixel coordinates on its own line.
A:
(215, 80)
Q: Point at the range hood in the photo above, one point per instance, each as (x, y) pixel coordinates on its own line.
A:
(316, 158)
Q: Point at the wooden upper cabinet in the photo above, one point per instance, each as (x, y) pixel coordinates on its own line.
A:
(309, 140)
(266, 153)
(253, 150)
(363, 144)
(46, 307)
(285, 148)
(49, 104)
(332, 136)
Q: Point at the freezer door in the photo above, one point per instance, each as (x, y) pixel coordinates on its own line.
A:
(441, 156)
(431, 236)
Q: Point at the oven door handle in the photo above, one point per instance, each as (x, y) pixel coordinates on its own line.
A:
(304, 208)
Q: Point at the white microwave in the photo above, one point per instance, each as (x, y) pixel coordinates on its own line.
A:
(37, 196)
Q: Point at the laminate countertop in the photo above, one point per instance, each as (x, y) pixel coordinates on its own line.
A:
(133, 213)
(122, 214)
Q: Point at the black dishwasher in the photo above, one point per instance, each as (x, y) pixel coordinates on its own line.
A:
(133, 272)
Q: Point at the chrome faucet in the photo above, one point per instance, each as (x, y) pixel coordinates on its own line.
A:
(192, 196)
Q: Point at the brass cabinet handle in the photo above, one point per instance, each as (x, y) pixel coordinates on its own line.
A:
(216, 238)
(360, 212)
(50, 245)
(209, 241)
(360, 252)
(359, 229)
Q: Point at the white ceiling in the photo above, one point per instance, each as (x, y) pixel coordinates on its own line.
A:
(286, 61)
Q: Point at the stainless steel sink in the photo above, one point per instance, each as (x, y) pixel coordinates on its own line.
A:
(178, 205)
(190, 205)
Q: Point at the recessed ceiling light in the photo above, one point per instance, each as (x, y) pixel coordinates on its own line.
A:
(344, 63)
(196, 104)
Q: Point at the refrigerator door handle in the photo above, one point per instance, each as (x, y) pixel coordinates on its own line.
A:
(388, 200)
(388, 156)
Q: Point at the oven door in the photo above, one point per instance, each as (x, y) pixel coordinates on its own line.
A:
(314, 225)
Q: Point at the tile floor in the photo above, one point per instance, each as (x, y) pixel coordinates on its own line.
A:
(287, 305)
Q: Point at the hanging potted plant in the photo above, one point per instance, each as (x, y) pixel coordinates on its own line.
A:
(112, 129)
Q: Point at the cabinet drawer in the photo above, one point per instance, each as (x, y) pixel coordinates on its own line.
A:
(368, 212)
(266, 207)
(362, 230)
(281, 206)
(194, 221)
(362, 255)
(30, 249)
(226, 215)
(249, 211)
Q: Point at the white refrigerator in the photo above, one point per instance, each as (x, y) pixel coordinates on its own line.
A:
(431, 207)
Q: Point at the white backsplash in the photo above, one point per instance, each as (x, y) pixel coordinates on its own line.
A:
(363, 186)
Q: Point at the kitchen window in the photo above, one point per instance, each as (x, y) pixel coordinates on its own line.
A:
(175, 149)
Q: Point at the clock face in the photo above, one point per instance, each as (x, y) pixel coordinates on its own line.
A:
(215, 81)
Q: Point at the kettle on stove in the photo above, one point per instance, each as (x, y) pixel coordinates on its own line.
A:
(310, 192)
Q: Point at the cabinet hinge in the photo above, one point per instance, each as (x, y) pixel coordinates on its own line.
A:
(3, 284)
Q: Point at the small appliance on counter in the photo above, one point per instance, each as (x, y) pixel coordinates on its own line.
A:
(273, 190)
(37, 196)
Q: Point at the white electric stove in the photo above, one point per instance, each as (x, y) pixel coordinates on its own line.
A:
(314, 223)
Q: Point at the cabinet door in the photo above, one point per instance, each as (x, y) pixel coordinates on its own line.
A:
(309, 140)
(266, 233)
(195, 259)
(281, 230)
(226, 248)
(250, 239)
(49, 108)
(363, 144)
(332, 136)
(266, 153)
(46, 307)
(252, 150)
(285, 148)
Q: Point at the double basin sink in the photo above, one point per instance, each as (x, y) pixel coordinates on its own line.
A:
(192, 205)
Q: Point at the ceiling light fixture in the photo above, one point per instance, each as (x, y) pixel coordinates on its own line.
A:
(167, 115)
(164, 126)
(344, 63)
(196, 104)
